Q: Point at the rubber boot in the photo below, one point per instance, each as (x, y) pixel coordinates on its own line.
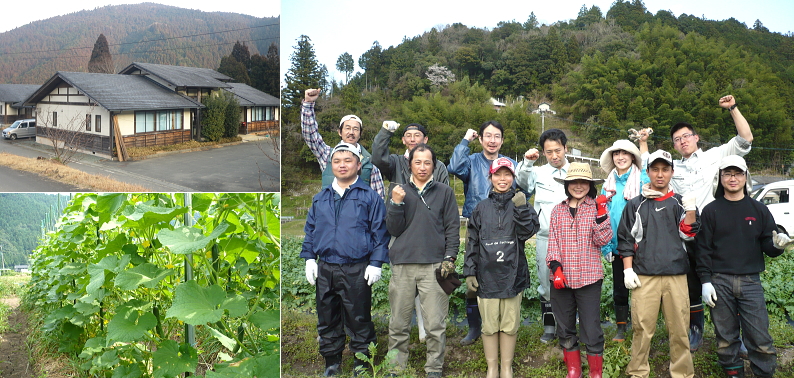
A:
(549, 324)
(475, 322)
(507, 348)
(333, 365)
(596, 362)
(420, 322)
(735, 372)
(490, 345)
(364, 367)
(573, 361)
(621, 322)
(696, 320)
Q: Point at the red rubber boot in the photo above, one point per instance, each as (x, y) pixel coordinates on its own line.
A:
(573, 361)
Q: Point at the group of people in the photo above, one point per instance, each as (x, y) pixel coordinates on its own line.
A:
(674, 231)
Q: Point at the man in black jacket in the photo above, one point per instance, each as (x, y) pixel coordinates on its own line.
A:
(422, 215)
(735, 234)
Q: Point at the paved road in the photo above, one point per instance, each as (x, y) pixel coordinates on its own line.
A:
(251, 166)
(19, 181)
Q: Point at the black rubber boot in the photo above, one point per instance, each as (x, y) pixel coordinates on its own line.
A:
(333, 365)
(735, 372)
(621, 322)
(356, 363)
(696, 320)
(549, 324)
(475, 322)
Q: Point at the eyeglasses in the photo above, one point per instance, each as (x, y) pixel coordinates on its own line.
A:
(727, 175)
(677, 140)
(493, 137)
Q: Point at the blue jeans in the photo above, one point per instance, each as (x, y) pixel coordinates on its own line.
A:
(742, 295)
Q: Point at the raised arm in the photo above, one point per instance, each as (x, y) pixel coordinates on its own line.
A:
(742, 127)
(380, 153)
(310, 131)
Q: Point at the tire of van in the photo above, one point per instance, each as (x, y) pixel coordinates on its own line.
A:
(13, 136)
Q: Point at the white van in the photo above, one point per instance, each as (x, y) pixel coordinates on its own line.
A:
(24, 128)
(777, 197)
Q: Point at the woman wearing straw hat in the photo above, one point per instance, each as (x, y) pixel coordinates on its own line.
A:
(579, 227)
(622, 163)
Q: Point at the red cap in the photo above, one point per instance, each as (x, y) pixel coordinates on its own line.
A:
(503, 162)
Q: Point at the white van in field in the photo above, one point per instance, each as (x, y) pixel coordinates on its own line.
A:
(777, 197)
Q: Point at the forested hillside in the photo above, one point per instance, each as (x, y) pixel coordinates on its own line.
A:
(32, 53)
(604, 71)
(21, 216)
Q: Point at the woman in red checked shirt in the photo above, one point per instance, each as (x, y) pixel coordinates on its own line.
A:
(579, 227)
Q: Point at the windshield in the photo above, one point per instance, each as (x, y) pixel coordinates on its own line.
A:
(15, 125)
(756, 193)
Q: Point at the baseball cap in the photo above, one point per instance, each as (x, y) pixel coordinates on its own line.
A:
(733, 161)
(660, 154)
(349, 117)
(502, 162)
(416, 126)
(347, 147)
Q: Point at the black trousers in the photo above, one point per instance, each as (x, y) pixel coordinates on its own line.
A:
(343, 297)
(565, 303)
(620, 294)
(692, 279)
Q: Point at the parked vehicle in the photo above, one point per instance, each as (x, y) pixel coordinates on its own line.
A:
(24, 128)
(777, 197)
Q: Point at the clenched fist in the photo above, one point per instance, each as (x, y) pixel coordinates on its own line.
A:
(532, 154)
(470, 135)
(727, 101)
(311, 95)
(398, 194)
(391, 125)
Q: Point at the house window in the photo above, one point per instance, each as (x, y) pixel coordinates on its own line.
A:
(87, 122)
(269, 113)
(163, 120)
(55, 118)
(257, 113)
(98, 123)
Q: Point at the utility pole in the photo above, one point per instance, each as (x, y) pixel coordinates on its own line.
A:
(542, 109)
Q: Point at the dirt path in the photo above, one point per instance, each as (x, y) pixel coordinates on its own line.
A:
(13, 351)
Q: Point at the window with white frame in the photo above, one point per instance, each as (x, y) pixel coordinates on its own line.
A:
(163, 120)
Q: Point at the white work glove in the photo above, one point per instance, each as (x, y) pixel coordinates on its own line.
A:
(690, 203)
(709, 294)
(311, 271)
(780, 240)
(391, 125)
(372, 274)
(609, 257)
(630, 279)
(470, 135)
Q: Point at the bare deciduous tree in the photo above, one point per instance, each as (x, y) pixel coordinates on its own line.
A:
(66, 136)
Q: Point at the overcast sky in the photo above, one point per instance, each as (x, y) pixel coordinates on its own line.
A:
(352, 26)
(16, 13)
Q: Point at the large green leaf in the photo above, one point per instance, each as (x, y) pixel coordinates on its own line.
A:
(97, 271)
(93, 346)
(250, 367)
(237, 305)
(144, 215)
(127, 371)
(185, 240)
(194, 304)
(146, 274)
(172, 359)
(266, 320)
(129, 325)
(226, 341)
(108, 204)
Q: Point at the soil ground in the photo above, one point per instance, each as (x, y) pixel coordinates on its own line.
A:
(14, 362)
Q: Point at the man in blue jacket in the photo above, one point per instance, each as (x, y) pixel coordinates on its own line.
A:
(345, 246)
(473, 170)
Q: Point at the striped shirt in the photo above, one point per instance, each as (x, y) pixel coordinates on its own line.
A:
(575, 242)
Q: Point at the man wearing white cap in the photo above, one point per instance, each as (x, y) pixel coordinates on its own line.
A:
(652, 228)
(350, 128)
(736, 232)
(345, 246)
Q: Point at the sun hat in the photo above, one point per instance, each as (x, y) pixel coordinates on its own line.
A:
(502, 162)
(733, 161)
(607, 164)
(579, 171)
(347, 147)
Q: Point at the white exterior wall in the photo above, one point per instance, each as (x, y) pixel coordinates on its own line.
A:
(72, 107)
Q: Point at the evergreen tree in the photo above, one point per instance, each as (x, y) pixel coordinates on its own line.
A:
(235, 69)
(241, 54)
(101, 61)
(346, 64)
(272, 70)
(304, 72)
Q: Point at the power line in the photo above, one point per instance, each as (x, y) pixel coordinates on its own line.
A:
(146, 41)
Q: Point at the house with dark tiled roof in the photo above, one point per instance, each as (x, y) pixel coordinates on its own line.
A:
(85, 108)
(260, 111)
(10, 96)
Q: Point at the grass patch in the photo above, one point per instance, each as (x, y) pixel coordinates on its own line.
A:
(64, 174)
(13, 285)
(137, 152)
